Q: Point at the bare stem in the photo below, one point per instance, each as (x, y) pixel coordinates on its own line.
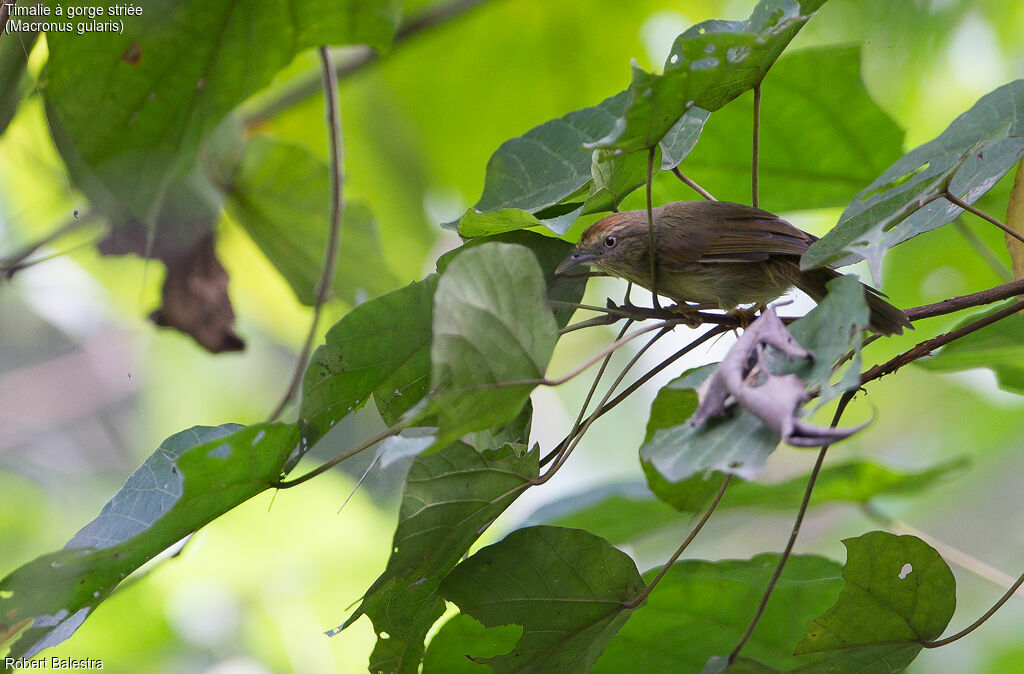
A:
(980, 621)
(642, 597)
(843, 402)
(983, 215)
(333, 117)
(754, 166)
(383, 435)
(306, 85)
(17, 261)
(693, 185)
(652, 240)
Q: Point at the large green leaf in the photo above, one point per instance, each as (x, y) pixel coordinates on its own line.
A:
(700, 609)
(550, 252)
(382, 347)
(970, 156)
(565, 587)
(709, 65)
(548, 162)
(449, 498)
(461, 634)
(135, 106)
(898, 592)
(999, 347)
(490, 346)
(685, 464)
(622, 512)
(193, 477)
(281, 196)
(845, 140)
(14, 80)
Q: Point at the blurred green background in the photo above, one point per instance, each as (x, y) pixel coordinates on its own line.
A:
(88, 388)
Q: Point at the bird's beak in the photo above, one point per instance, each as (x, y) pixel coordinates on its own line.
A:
(577, 258)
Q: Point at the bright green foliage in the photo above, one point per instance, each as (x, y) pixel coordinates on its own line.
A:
(164, 83)
(968, 158)
(997, 347)
(565, 587)
(281, 196)
(193, 477)
(449, 497)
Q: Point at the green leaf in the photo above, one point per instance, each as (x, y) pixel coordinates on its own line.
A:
(281, 196)
(623, 512)
(14, 80)
(614, 177)
(565, 587)
(998, 347)
(700, 609)
(382, 347)
(135, 107)
(898, 591)
(549, 252)
(547, 163)
(448, 652)
(680, 460)
(829, 331)
(709, 65)
(193, 477)
(682, 137)
(971, 155)
(490, 346)
(449, 498)
(816, 94)
(475, 223)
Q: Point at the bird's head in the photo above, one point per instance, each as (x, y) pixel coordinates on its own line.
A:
(617, 244)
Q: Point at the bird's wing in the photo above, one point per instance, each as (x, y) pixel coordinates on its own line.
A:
(744, 234)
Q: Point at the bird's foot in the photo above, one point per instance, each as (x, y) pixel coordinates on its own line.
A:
(690, 314)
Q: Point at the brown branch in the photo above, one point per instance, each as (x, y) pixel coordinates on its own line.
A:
(307, 85)
(333, 115)
(652, 239)
(843, 402)
(926, 347)
(954, 304)
(692, 184)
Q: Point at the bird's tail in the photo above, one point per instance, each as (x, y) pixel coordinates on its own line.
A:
(884, 319)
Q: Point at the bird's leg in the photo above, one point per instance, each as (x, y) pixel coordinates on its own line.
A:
(748, 316)
(689, 312)
(626, 302)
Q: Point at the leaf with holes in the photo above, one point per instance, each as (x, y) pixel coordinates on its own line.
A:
(490, 347)
(898, 592)
(709, 65)
(280, 196)
(968, 159)
(193, 477)
(449, 498)
(567, 588)
(135, 108)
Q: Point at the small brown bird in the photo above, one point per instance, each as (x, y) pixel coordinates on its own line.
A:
(717, 255)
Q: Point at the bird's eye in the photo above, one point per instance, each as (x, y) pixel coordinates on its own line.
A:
(610, 241)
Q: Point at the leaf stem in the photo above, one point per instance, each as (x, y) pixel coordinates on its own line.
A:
(843, 402)
(333, 118)
(652, 240)
(692, 184)
(324, 467)
(983, 215)
(754, 165)
(17, 262)
(642, 597)
(980, 621)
